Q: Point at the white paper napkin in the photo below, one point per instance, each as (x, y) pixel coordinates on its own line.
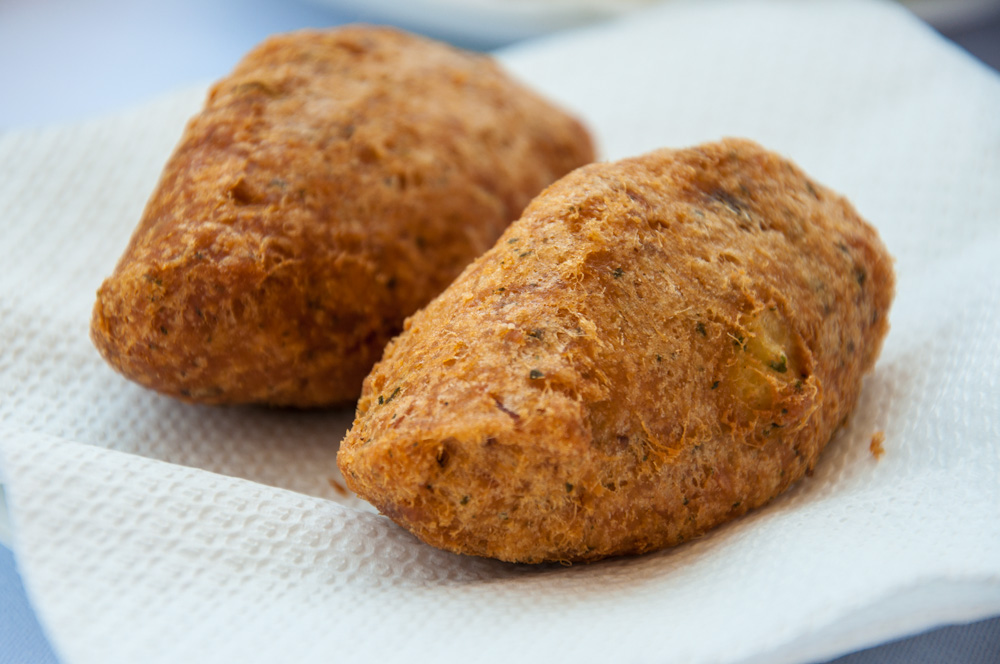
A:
(149, 530)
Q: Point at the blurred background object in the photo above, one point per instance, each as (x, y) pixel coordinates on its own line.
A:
(487, 24)
(62, 61)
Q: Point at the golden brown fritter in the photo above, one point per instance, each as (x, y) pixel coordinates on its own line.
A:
(334, 182)
(657, 346)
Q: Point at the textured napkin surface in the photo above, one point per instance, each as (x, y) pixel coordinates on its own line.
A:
(149, 530)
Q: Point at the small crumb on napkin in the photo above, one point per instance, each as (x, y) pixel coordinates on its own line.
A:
(876, 445)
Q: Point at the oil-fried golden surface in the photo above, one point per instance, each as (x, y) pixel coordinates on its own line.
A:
(334, 182)
(657, 346)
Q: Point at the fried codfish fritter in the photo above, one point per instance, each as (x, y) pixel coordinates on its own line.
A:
(657, 346)
(334, 182)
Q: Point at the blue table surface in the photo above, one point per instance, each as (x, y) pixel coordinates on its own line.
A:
(41, 32)
(21, 638)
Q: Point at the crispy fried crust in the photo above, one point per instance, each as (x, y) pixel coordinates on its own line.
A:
(334, 182)
(657, 346)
